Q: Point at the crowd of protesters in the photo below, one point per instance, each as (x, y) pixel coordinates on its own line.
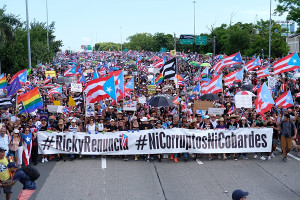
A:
(110, 117)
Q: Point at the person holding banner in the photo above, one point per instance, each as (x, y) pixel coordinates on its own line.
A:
(206, 125)
(221, 125)
(232, 125)
(91, 128)
(60, 128)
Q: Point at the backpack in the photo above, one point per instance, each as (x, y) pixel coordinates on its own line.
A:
(32, 172)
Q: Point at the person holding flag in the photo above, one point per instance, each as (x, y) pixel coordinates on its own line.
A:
(27, 145)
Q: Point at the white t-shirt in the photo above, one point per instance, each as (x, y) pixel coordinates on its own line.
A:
(91, 129)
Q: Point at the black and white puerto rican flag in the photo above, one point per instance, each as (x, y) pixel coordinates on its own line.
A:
(169, 69)
(5, 103)
(78, 100)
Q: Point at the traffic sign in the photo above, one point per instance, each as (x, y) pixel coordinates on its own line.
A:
(163, 49)
(201, 40)
(186, 39)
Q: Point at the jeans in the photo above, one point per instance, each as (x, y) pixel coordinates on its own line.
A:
(185, 155)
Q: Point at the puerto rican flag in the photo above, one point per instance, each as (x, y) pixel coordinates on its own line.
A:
(231, 110)
(159, 63)
(48, 79)
(94, 90)
(176, 100)
(235, 76)
(205, 72)
(124, 140)
(255, 88)
(253, 64)
(55, 90)
(264, 100)
(71, 71)
(229, 60)
(285, 100)
(27, 146)
(22, 76)
(119, 83)
(287, 63)
(129, 87)
(263, 72)
(214, 86)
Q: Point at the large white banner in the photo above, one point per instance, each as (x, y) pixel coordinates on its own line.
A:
(176, 140)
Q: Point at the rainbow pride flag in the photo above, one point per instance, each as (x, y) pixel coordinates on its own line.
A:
(159, 79)
(31, 100)
(3, 82)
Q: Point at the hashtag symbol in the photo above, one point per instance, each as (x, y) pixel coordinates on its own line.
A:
(48, 142)
(141, 142)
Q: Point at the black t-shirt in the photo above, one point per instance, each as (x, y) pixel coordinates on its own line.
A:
(44, 128)
(275, 132)
(145, 126)
(232, 126)
(65, 128)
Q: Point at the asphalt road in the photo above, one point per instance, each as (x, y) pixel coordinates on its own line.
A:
(89, 179)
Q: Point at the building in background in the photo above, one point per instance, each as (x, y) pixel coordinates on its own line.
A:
(289, 25)
(293, 42)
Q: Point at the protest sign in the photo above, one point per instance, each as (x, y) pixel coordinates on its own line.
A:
(76, 87)
(243, 101)
(51, 73)
(216, 111)
(151, 89)
(54, 109)
(142, 100)
(203, 105)
(89, 110)
(56, 103)
(129, 106)
(157, 141)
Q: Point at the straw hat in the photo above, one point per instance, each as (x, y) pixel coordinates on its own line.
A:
(221, 119)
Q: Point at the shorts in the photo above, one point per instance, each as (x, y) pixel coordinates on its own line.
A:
(7, 190)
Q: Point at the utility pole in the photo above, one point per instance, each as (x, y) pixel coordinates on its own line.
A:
(194, 18)
(214, 45)
(28, 35)
(175, 42)
(121, 38)
(47, 25)
(270, 27)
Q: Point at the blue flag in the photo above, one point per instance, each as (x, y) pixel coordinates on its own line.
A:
(13, 87)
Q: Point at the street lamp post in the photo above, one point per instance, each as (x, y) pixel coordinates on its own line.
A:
(47, 25)
(28, 35)
(270, 32)
(121, 38)
(194, 17)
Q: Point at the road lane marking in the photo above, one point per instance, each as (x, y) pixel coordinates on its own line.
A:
(291, 155)
(103, 162)
(199, 161)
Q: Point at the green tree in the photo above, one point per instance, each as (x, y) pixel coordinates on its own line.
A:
(141, 41)
(106, 46)
(292, 7)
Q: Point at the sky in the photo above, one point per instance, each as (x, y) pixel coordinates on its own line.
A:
(83, 22)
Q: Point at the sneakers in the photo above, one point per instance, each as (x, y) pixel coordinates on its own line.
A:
(263, 158)
(172, 156)
(245, 157)
(210, 158)
(235, 158)
(224, 158)
(43, 160)
(255, 156)
(284, 159)
(269, 157)
(176, 160)
(136, 158)
(165, 156)
(148, 160)
(272, 155)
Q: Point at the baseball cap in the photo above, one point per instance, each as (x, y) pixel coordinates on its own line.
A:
(238, 194)
(12, 165)
(2, 149)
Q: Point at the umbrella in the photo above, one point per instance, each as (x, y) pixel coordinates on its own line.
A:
(204, 65)
(210, 96)
(245, 93)
(208, 54)
(161, 100)
(248, 87)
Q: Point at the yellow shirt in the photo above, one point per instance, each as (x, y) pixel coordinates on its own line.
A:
(4, 173)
